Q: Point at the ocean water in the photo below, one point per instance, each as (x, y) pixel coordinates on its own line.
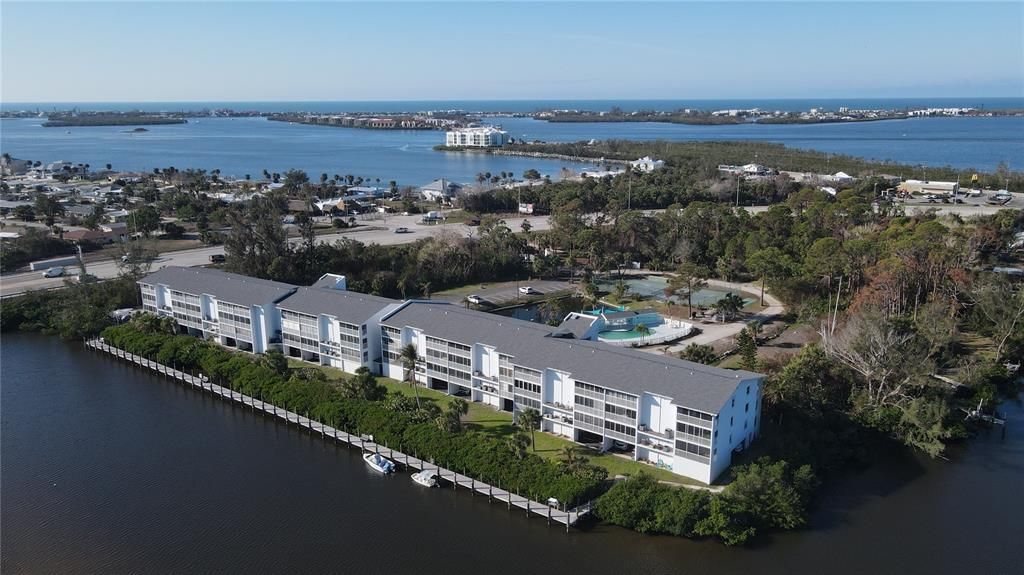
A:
(534, 105)
(239, 146)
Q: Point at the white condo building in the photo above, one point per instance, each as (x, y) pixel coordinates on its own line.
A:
(681, 416)
(482, 137)
(234, 310)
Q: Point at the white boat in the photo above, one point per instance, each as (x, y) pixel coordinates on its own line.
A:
(425, 478)
(379, 462)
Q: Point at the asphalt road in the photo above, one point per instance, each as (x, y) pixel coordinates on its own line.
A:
(15, 284)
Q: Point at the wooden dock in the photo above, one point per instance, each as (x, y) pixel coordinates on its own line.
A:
(566, 517)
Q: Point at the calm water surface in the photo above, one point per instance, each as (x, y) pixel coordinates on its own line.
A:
(110, 469)
(239, 146)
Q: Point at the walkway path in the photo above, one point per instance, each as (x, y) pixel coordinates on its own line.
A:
(712, 332)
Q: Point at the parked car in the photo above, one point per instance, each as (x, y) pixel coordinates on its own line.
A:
(402, 230)
(474, 299)
(528, 290)
(217, 259)
(54, 272)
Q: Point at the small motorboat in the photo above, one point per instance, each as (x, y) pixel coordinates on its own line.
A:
(425, 478)
(379, 462)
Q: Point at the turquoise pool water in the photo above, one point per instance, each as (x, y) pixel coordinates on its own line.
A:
(620, 334)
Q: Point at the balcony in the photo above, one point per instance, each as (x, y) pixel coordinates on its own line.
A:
(646, 430)
(558, 418)
(558, 406)
(657, 446)
(694, 421)
(484, 377)
(624, 419)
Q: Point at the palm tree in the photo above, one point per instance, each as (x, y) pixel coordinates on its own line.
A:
(459, 406)
(756, 329)
(410, 359)
(729, 305)
(642, 330)
(451, 419)
(529, 418)
(517, 442)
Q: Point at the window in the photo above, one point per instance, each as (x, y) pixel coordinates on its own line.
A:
(692, 448)
(620, 428)
(734, 402)
(621, 411)
(748, 390)
(692, 413)
(730, 422)
(694, 431)
(746, 409)
(585, 401)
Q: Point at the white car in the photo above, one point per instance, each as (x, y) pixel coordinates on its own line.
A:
(527, 290)
(474, 299)
(401, 230)
(53, 272)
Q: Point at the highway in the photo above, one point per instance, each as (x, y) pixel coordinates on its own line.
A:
(383, 234)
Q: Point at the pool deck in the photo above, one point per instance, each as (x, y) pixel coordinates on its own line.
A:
(712, 332)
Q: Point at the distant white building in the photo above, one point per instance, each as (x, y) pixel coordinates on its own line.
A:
(482, 137)
(647, 164)
(926, 187)
(840, 178)
(444, 189)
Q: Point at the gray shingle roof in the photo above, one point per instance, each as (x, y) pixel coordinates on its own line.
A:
(229, 287)
(578, 325)
(349, 307)
(691, 384)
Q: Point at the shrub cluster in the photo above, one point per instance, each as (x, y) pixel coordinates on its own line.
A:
(391, 421)
(764, 495)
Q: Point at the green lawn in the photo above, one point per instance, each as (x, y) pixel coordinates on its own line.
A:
(499, 423)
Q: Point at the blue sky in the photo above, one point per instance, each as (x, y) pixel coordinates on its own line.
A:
(232, 51)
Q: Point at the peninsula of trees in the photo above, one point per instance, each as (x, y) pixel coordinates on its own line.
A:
(89, 119)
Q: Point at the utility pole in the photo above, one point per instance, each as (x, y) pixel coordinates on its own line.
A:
(629, 188)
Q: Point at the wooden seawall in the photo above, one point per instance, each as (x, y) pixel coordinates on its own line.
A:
(565, 517)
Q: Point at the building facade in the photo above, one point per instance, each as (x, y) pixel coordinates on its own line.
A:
(483, 137)
(681, 416)
(233, 310)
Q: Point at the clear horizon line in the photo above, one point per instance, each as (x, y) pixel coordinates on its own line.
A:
(630, 99)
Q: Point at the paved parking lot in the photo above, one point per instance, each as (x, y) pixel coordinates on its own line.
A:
(507, 293)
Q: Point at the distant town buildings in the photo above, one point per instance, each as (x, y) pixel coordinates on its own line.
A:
(479, 137)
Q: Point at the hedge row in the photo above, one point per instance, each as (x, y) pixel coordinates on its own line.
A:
(478, 455)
